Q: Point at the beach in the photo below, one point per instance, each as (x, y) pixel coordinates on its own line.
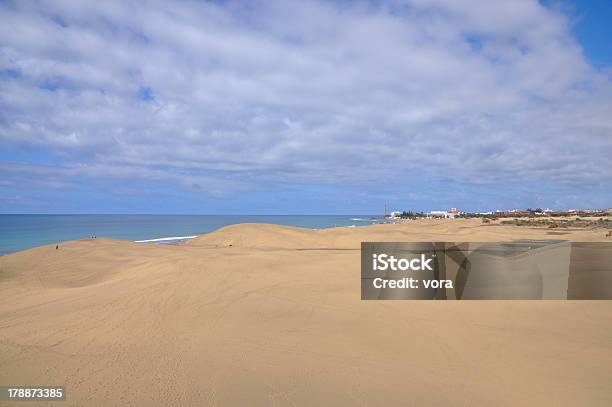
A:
(258, 314)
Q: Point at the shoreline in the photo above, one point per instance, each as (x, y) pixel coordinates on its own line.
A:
(21, 232)
(540, 232)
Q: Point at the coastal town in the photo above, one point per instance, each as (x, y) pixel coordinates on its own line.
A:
(454, 213)
(587, 219)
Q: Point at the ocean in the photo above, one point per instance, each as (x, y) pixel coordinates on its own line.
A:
(20, 232)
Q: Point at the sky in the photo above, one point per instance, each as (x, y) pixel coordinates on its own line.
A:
(309, 107)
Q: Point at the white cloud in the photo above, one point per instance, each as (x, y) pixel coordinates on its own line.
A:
(306, 91)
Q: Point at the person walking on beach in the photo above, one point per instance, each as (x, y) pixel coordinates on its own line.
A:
(56, 246)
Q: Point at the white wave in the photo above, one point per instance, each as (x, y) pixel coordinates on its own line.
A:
(359, 219)
(166, 239)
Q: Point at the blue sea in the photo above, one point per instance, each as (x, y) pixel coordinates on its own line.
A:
(20, 232)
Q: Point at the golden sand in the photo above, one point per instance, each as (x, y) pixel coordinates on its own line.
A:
(271, 315)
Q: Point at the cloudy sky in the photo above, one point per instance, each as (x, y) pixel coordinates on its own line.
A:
(304, 107)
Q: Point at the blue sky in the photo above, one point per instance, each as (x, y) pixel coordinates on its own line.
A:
(593, 30)
(304, 108)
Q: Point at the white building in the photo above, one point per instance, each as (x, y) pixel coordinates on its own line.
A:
(443, 214)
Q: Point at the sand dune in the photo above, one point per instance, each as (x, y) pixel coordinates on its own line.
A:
(271, 315)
